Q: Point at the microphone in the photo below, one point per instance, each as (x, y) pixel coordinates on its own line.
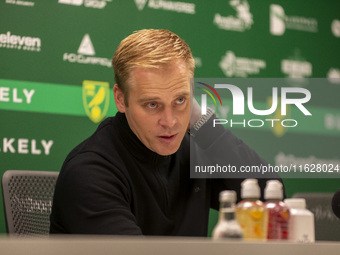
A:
(336, 204)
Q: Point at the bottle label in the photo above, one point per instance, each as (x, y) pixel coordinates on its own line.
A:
(253, 221)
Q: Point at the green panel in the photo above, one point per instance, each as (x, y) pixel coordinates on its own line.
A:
(45, 97)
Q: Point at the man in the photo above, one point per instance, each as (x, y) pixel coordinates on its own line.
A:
(131, 177)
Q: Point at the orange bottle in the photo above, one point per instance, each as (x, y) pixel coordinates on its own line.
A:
(251, 213)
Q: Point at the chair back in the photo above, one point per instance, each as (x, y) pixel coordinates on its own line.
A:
(27, 197)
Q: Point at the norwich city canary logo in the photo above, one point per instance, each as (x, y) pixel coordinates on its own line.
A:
(96, 99)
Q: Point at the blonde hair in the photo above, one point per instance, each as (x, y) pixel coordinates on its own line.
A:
(150, 48)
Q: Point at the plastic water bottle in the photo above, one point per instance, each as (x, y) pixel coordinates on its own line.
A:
(227, 226)
(301, 224)
(251, 213)
(278, 212)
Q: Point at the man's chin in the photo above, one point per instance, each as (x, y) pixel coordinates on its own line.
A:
(167, 151)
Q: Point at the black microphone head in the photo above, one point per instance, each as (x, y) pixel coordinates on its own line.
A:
(336, 204)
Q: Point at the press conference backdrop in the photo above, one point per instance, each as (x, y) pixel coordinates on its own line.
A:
(56, 78)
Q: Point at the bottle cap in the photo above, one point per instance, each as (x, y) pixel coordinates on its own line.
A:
(227, 196)
(250, 189)
(295, 203)
(273, 190)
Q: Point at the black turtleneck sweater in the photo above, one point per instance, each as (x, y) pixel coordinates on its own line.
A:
(112, 184)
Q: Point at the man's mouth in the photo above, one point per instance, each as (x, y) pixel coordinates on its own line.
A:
(167, 138)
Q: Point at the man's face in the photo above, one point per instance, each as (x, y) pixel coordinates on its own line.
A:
(158, 110)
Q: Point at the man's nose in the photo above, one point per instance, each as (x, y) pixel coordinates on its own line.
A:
(168, 118)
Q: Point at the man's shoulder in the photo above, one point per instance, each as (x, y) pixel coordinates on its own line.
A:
(98, 146)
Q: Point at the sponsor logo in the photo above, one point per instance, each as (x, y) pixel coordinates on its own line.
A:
(25, 146)
(279, 22)
(198, 62)
(296, 66)
(233, 66)
(336, 28)
(241, 22)
(86, 54)
(140, 4)
(181, 7)
(21, 2)
(333, 75)
(71, 2)
(15, 95)
(332, 121)
(98, 4)
(86, 46)
(96, 99)
(18, 42)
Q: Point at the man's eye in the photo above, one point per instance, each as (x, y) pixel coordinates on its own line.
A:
(180, 100)
(152, 105)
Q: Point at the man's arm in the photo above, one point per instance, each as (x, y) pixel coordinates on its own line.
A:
(91, 199)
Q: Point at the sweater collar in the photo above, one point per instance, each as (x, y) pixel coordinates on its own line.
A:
(137, 148)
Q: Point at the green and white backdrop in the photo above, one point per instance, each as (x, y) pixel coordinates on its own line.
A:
(56, 78)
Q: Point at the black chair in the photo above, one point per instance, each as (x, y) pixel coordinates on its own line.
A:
(327, 225)
(27, 197)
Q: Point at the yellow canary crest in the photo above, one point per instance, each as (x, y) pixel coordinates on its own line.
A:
(96, 99)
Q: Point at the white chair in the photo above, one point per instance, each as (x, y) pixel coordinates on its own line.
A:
(27, 197)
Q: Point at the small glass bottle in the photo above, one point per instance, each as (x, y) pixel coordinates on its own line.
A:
(251, 213)
(227, 226)
(278, 212)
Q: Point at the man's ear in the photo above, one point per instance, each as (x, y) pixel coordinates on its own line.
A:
(119, 98)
